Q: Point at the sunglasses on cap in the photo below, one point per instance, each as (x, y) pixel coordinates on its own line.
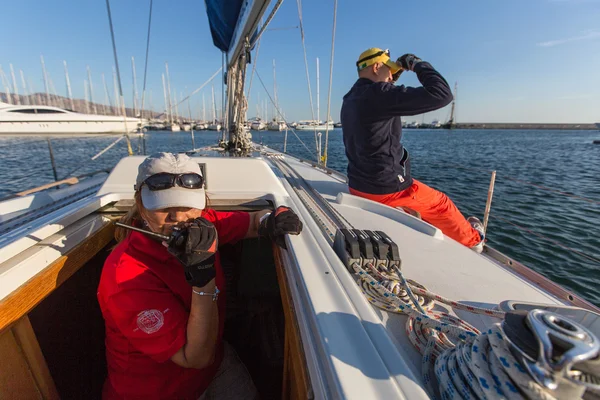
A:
(379, 53)
(165, 181)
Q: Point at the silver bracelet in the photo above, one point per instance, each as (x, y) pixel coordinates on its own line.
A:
(214, 295)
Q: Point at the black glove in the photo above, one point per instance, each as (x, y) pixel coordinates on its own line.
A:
(408, 61)
(281, 222)
(397, 75)
(194, 244)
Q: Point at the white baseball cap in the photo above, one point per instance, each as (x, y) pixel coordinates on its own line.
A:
(175, 196)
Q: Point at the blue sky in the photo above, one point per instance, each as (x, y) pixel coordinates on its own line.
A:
(514, 60)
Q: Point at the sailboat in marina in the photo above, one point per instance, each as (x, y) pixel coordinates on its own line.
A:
(368, 302)
(214, 125)
(316, 125)
(277, 123)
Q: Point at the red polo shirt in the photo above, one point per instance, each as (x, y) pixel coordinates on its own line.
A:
(145, 302)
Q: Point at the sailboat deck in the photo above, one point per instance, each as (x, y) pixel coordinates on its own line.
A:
(352, 349)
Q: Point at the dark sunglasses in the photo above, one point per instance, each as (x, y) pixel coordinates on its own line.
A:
(165, 181)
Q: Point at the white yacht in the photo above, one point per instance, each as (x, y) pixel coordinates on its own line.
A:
(16, 120)
(214, 127)
(276, 126)
(257, 124)
(312, 125)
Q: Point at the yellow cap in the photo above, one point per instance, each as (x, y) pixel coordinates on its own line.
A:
(375, 55)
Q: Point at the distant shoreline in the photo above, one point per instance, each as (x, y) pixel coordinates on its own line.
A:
(468, 125)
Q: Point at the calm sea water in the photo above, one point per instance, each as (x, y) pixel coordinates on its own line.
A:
(457, 162)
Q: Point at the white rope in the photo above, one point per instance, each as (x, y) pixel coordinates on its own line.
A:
(324, 160)
(466, 364)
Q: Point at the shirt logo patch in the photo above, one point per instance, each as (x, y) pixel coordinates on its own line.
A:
(150, 321)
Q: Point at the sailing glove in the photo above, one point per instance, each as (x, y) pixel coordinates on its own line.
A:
(408, 61)
(194, 244)
(279, 223)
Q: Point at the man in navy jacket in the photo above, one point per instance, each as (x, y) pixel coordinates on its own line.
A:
(378, 164)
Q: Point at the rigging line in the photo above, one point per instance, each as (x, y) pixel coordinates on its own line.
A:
(591, 258)
(146, 63)
(312, 108)
(283, 28)
(114, 46)
(324, 159)
(197, 90)
(267, 22)
(253, 69)
(93, 158)
(271, 99)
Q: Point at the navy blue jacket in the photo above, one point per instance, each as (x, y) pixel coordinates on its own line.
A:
(370, 116)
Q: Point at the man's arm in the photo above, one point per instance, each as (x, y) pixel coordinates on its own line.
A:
(405, 101)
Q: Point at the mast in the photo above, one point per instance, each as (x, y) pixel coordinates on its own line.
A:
(214, 117)
(45, 81)
(169, 91)
(15, 87)
(116, 90)
(6, 86)
(106, 94)
(203, 109)
(165, 95)
(91, 90)
(87, 103)
(318, 111)
(58, 102)
(68, 81)
(135, 92)
(27, 99)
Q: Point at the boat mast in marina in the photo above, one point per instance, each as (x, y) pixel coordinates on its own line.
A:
(91, 90)
(116, 90)
(45, 81)
(106, 94)
(25, 92)
(15, 88)
(6, 86)
(165, 97)
(68, 83)
(87, 101)
(169, 92)
(135, 92)
(318, 111)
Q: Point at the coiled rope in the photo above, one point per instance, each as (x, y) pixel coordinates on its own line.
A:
(466, 364)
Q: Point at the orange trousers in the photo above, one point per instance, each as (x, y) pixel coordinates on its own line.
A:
(435, 207)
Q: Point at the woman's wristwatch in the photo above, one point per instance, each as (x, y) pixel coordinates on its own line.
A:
(214, 295)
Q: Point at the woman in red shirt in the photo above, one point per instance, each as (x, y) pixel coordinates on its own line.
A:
(164, 303)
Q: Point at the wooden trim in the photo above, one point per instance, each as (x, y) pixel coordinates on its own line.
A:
(296, 381)
(32, 353)
(31, 293)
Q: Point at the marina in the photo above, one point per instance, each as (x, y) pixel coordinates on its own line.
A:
(361, 300)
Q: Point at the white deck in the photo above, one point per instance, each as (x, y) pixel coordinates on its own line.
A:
(353, 349)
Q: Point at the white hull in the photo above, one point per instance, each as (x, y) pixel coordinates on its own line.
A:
(257, 126)
(15, 120)
(214, 127)
(174, 128)
(58, 128)
(321, 127)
